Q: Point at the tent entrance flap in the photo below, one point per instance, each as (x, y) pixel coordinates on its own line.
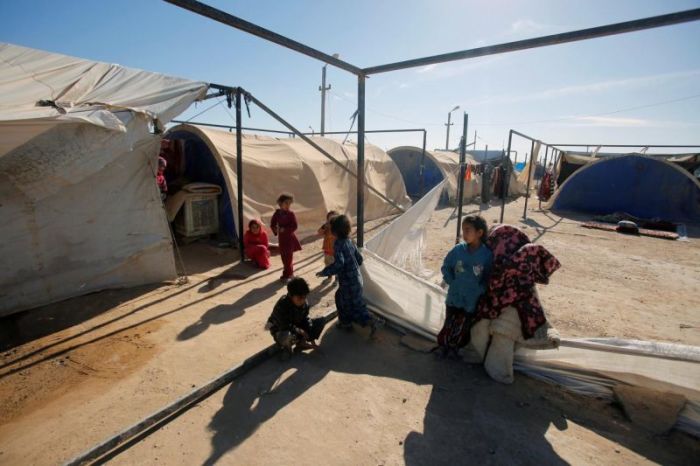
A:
(195, 163)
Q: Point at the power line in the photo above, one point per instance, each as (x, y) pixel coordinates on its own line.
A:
(627, 109)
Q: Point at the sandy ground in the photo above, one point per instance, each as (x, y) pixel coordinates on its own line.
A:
(81, 370)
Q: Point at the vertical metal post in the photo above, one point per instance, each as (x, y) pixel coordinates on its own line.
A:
(539, 185)
(460, 190)
(529, 177)
(323, 90)
(506, 180)
(239, 169)
(422, 166)
(360, 160)
(449, 123)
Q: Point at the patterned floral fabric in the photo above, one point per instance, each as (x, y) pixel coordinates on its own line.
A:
(517, 266)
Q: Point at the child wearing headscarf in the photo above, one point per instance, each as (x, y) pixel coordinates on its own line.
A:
(256, 244)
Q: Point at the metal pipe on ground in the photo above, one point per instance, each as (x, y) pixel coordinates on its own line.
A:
(131, 435)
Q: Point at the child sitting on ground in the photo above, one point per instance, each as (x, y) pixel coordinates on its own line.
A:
(328, 240)
(283, 225)
(346, 265)
(256, 244)
(289, 323)
(465, 270)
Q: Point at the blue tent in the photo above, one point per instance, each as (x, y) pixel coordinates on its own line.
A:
(638, 185)
(408, 159)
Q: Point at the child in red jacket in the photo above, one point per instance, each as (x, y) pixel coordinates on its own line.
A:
(257, 245)
(283, 225)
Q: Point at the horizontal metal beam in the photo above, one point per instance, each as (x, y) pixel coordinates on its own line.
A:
(250, 28)
(573, 36)
(410, 130)
(627, 145)
(230, 127)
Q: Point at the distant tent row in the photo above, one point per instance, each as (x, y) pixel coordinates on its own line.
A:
(275, 165)
(422, 173)
(645, 186)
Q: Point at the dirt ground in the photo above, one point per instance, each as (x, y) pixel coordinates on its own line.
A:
(76, 372)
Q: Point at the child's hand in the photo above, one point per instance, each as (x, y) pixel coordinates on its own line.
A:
(281, 230)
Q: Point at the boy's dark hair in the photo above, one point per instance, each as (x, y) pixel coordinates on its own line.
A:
(478, 222)
(253, 222)
(285, 197)
(340, 226)
(331, 213)
(298, 287)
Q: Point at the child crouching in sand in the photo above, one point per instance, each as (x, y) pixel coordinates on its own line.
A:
(290, 324)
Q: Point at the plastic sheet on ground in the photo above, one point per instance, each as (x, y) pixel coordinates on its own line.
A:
(587, 366)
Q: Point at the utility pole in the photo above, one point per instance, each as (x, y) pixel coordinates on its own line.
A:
(448, 124)
(323, 88)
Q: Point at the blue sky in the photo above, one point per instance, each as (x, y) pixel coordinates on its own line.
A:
(603, 90)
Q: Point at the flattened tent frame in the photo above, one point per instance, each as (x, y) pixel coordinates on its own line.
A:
(362, 73)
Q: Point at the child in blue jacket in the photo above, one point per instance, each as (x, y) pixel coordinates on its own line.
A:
(465, 270)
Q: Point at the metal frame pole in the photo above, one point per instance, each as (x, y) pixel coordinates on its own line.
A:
(323, 90)
(506, 180)
(360, 160)
(460, 190)
(239, 169)
(448, 124)
(539, 184)
(422, 165)
(529, 178)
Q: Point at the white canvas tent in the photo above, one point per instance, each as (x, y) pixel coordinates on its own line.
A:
(81, 211)
(275, 165)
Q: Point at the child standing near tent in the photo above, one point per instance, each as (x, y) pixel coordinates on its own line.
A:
(346, 265)
(465, 270)
(289, 323)
(328, 240)
(257, 245)
(283, 225)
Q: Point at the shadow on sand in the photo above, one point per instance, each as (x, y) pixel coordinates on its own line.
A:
(468, 419)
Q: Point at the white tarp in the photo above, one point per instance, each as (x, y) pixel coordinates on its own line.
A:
(587, 366)
(275, 165)
(81, 211)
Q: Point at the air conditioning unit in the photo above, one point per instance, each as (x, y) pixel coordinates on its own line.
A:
(199, 216)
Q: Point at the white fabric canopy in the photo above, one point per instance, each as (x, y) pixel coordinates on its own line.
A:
(80, 207)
